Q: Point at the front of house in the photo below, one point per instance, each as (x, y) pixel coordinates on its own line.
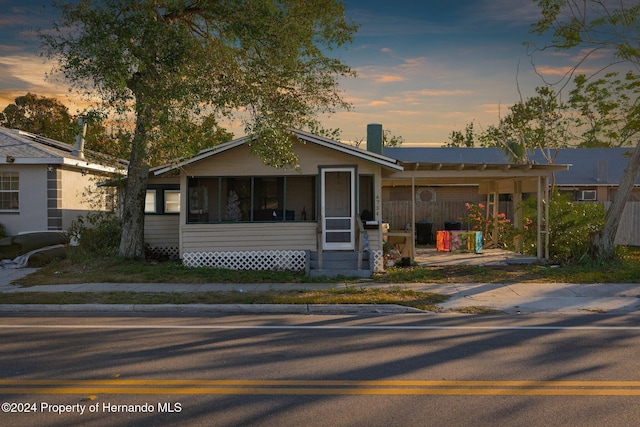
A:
(225, 208)
(235, 212)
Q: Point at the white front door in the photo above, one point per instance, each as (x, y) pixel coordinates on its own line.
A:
(338, 208)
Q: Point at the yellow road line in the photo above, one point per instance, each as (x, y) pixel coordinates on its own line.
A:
(320, 387)
(324, 391)
(345, 383)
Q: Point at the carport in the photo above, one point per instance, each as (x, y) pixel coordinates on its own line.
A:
(481, 167)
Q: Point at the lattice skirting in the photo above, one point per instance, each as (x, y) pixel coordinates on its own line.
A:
(169, 251)
(378, 261)
(247, 260)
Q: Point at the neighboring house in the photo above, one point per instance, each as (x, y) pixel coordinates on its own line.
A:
(594, 177)
(594, 174)
(45, 184)
(325, 217)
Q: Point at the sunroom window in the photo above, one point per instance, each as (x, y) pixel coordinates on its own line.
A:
(251, 199)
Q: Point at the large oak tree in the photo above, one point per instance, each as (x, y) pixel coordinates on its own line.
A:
(169, 60)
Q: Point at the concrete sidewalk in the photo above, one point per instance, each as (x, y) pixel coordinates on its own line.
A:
(515, 298)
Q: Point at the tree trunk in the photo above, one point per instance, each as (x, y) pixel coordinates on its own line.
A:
(602, 242)
(132, 240)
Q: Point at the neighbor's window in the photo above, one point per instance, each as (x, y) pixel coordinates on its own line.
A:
(9, 191)
(150, 202)
(172, 201)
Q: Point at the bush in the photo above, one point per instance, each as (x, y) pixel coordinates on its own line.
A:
(477, 220)
(3, 232)
(570, 227)
(98, 233)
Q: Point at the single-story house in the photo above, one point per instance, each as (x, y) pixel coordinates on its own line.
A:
(594, 174)
(45, 184)
(225, 208)
(236, 212)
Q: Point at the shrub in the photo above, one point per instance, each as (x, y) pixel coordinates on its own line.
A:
(3, 232)
(570, 227)
(476, 220)
(98, 233)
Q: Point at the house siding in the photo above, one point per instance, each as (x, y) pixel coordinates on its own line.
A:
(162, 234)
(248, 237)
(79, 196)
(241, 162)
(32, 215)
(266, 236)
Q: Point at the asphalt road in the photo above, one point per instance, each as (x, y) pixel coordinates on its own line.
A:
(319, 370)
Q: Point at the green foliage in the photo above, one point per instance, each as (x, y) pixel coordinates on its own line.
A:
(262, 62)
(169, 60)
(476, 219)
(570, 227)
(467, 139)
(98, 233)
(537, 122)
(608, 114)
(40, 115)
(592, 25)
(3, 231)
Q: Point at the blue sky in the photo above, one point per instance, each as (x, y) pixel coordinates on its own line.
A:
(424, 68)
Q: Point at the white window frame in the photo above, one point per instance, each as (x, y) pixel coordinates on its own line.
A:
(150, 194)
(9, 190)
(168, 203)
(589, 195)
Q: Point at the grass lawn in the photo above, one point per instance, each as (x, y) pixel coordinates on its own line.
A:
(87, 270)
(115, 270)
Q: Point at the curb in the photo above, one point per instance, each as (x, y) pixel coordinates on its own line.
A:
(215, 308)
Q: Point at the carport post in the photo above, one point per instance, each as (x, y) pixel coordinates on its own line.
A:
(539, 221)
(413, 217)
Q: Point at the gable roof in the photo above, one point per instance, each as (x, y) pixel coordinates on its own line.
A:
(384, 161)
(28, 149)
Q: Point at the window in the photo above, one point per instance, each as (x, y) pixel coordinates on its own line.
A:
(172, 201)
(251, 199)
(150, 202)
(9, 191)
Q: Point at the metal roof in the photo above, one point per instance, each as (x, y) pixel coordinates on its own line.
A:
(587, 166)
(446, 155)
(591, 166)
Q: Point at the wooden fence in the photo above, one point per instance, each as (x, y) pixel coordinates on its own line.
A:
(398, 215)
(629, 228)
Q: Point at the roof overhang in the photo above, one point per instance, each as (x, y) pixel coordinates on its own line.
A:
(502, 176)
(388, 163)
(64, 161)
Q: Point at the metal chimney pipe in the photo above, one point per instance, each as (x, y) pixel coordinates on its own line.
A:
(78, 148)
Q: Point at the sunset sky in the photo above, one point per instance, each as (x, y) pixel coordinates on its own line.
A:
(424, 68)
